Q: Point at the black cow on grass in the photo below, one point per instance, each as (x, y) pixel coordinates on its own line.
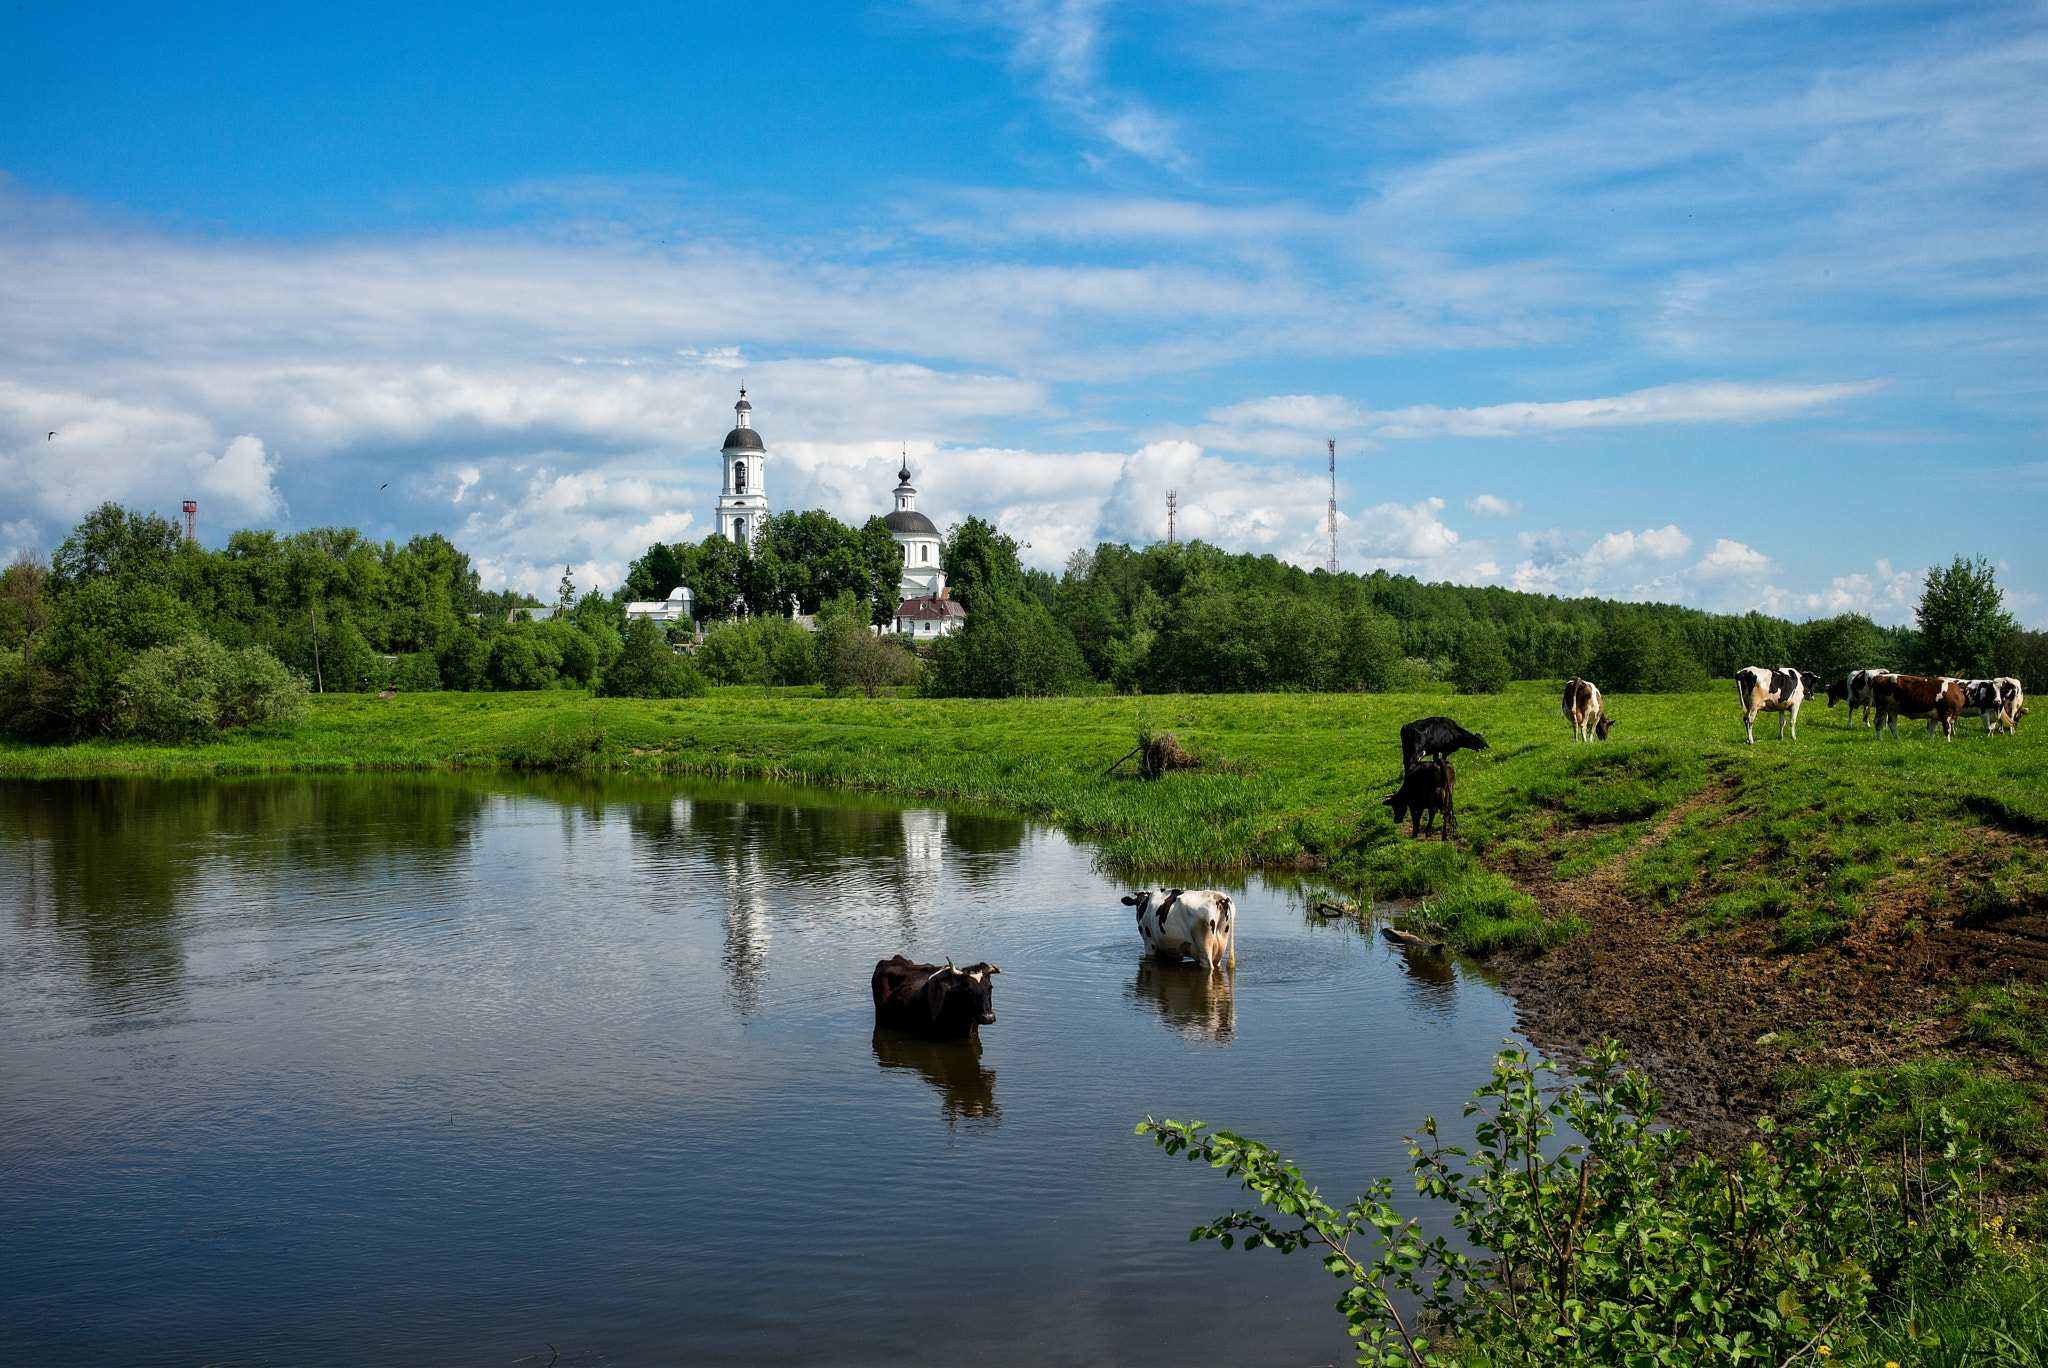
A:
(934, 1000)
(1435, 737)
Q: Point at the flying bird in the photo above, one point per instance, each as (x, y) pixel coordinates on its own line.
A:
(51, 437)
(385, 485)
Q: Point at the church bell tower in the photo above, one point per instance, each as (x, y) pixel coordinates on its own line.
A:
(742, 510)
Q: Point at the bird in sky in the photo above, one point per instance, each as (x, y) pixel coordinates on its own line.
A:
(385, 485)
(51, 437)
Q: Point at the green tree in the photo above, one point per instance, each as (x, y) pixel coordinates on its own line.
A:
(113, 543)
(98, 629)
(1373, 661)
(980, 562)
(1481, 664)
(1962, 619)
(347, 664)
(1010, 647)
(713, 569)
(522, 659)
(1832, 647)
(25, 606)
(463, 661)
(851, 656)
(647, 667)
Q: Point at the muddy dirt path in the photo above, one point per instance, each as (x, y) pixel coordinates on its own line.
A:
(1713, 1020)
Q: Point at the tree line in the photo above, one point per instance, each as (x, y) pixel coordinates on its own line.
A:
(330, 610)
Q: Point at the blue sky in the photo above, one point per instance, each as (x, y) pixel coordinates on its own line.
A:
(1735, 305)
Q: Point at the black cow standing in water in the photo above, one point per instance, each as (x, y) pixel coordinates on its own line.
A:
(934, 1000)
(1435, 737)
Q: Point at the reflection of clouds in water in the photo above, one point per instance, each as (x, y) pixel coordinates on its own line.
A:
(1188, 998)
(882, 871)
(966, 1087)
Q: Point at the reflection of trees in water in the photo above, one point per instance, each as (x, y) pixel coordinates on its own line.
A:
(966, 1087)
(104, 865)
(1189, 998)
(781, 860)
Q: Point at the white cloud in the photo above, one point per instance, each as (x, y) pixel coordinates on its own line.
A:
(1060, 41)
(1493, 506)
(1731, 560)
(1398, 533)
(1888, 596)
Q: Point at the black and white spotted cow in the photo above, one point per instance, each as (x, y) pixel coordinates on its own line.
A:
(1780, 691)
(2000, 702)
(1192, 924)
(1855, 690)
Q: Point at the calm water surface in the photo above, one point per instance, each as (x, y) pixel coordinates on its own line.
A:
(407, 1070)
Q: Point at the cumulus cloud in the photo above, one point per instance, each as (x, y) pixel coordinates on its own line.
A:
(1889, 595)
(1731, 560)
(1493, 506)
(1399, 533)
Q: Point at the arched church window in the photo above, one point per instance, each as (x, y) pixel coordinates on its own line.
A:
(739, 477)
(926, 557)
(739, 529)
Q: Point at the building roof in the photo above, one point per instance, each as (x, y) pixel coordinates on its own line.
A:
(743, 439)
(910, 520)
(928, 606)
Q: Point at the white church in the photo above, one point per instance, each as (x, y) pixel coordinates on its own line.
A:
(741, 515)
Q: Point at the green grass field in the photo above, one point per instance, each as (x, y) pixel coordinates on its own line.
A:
(1796, 834)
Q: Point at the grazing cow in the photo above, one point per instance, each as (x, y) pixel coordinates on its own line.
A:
(1585, 710)
(1779, 691)
(1940, 701)
(1191, 924)
(2000, 702)
(933, 1000)
(1855, 690)
(1435, 737)
(1431, 788)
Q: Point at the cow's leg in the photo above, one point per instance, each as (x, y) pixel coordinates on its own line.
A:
(1795, 721)
(1749, 725)
(1450, 816)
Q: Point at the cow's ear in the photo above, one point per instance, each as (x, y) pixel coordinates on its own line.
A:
(1130, 901)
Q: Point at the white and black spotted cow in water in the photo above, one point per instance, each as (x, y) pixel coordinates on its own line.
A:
(1855, 689)
(1187, 924)
(1780, 691)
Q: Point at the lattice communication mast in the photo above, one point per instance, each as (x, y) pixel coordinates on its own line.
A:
(191, 515)
(1333, 506)
(1172, 504)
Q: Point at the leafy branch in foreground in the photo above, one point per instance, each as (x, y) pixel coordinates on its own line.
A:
(1605, 1249)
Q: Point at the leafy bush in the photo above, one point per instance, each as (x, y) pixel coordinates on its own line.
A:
(462, 660)
(1608, 1250)
(1009, 648)
(522, 659)
(196, 687)
(648, 668)
(415, 673)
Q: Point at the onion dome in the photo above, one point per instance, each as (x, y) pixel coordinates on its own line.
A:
(910, 520)
(743, 439)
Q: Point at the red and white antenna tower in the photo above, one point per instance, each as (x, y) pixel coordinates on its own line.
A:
(191, 514)
(1333, 506)
(1172, 503)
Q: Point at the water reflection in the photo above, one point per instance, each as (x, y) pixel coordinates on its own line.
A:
(966, 1087)
(102, 871)
(1190, 999)
(776, 861)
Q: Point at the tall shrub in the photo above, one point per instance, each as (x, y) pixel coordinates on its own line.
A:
(647, 667)
(1962, 619)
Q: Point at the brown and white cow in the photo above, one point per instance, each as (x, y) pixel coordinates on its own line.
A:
(1761, 689)
(2000, 702)
(1585, 710)
(1939, 700)
(1855, 689)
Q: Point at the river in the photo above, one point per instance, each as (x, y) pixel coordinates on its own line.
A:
(479, 1069)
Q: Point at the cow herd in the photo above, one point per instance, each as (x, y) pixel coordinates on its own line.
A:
(948, 1003)
(1884, 697)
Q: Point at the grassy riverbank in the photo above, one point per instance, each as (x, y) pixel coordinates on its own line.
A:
(1801, 837)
